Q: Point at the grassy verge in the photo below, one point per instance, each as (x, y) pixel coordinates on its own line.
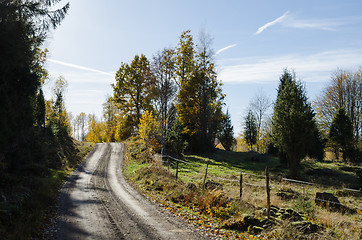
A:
(221, 213)
(28, 196)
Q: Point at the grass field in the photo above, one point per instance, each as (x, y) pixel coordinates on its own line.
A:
(220, 208)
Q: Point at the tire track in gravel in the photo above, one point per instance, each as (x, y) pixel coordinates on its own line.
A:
(97, 203)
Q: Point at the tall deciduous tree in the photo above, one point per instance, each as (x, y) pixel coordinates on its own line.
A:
(185, 57)
(164, 70)
(110, 115)
(341, 132)
(133, 91)
(200, 96)
(344, 90)
(96, 129)
(259, 105)
(80, 123)
(293, 121)
(250, 129)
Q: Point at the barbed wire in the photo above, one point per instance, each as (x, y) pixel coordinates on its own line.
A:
(179, 160)
(224, 179)
(263, 176)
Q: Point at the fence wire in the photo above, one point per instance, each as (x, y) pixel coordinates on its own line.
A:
(263, 176)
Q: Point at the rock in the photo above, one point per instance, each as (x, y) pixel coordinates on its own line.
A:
(267, 223)
(287, 194)
(327, 200)
(274, 208)
(251, 221)
(210, 185)
(292, 215)
(306, 227)
(330, 201)
(191, 187)
(237, 225)
(255, 230)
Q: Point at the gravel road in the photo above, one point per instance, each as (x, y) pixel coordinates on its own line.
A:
(97, 203)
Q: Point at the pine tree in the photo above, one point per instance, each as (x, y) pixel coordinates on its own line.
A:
(250, 129)
(226, 135)
(293, 121)
(23, 27)
(341, 132)
(39, 111)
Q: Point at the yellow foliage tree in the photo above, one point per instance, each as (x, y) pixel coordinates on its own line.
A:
(149, 131)
(96, 130)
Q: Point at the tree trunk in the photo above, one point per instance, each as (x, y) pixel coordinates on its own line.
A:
(293, 167)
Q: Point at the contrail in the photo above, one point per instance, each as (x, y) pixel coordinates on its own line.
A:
(269, 24)
(225, 48)
(79, 67)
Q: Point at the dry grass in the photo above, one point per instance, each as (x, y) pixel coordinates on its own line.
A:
(225, 205)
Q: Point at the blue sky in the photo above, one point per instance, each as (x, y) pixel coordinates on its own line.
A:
(254, 40)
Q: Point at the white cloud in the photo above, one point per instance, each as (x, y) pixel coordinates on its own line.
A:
(320, 24)
(292, 21)
(269, 24)
(225, 48)
(79, 67)
(310, 68)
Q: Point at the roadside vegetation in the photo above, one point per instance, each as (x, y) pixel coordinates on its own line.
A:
(216, 209)
(36, 150)
(172, 104)
(172, 107)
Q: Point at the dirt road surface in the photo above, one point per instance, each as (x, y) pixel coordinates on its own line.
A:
(97, 203)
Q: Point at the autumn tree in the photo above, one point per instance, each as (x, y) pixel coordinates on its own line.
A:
(133, 91)
(96, 129)
(293, 121)
(344, 90)
(111, 116)
(200, 97)
(124, 128)
(250, 129)
(149, 132)
(185, 57)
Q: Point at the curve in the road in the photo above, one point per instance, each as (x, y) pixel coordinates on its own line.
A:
(97, 203)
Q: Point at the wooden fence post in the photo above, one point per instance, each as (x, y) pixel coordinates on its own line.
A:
(176, 170)
(207, 166)
(241, 185)
(267, 190)
(168, 162)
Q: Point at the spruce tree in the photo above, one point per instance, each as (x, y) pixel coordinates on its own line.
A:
(39, 110)
(341, 131)
(250, 129)
(293, 121)
(226, 135)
